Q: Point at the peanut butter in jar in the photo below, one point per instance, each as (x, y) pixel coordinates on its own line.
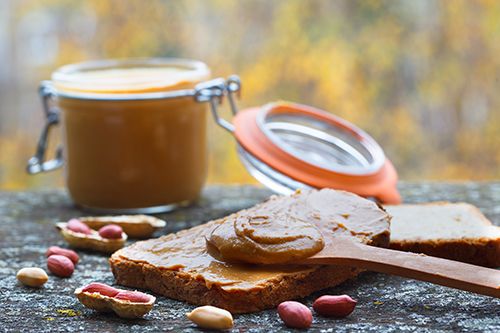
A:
(134, 138)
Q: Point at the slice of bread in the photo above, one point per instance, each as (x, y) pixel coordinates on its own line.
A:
(258, 290)
(178, 265)
(457, 231)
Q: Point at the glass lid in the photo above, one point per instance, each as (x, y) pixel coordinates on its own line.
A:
(328, 145)
(288, 146)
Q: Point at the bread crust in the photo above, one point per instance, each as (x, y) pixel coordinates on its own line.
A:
(185, 287)
(481, 251)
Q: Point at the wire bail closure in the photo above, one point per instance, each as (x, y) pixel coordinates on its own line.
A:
(214, 91)
(37, 163)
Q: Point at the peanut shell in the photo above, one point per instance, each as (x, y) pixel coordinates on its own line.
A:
(135, 226)
(123, 308)
(91, 241)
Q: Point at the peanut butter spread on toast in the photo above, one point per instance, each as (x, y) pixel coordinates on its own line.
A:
(318, 214)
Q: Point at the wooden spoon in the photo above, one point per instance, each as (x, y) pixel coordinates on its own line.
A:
(449, 273)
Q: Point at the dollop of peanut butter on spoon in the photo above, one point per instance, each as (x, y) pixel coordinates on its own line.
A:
(264, 239)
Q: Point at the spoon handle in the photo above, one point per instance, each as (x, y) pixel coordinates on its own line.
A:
(444, 272)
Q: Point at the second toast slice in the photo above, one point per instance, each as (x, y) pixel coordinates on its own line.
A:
(456, 231)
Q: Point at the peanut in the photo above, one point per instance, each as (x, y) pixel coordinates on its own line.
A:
(211, 317)
(32, 276)
(100, 288)
(111, 231)
(334, 306)
(72, 255)
(76, 225)
(295, 314)
(60, 265)
(133, 296)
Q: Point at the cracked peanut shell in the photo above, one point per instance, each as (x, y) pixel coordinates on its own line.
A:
(135, 226)
(122, 308)
(92, 241)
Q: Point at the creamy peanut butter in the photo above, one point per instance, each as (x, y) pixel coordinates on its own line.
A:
(281, 234)
(333, 213)
(265, 238)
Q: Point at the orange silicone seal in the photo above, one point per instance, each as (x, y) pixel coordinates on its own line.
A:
(379, 183)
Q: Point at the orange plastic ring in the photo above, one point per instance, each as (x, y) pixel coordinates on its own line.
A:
(380, 184)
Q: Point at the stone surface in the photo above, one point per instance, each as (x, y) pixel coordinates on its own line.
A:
(385, 303)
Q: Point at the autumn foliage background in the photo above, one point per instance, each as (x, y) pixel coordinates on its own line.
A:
(422, 77)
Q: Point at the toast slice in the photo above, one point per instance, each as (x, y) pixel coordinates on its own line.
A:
(178, 265)
(456, 231)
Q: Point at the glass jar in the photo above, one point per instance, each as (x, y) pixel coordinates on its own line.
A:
(134, 138)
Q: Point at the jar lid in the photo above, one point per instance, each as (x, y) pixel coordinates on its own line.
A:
(288, 146)
(129, 76)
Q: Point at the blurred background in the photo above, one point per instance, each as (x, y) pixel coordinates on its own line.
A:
(422, 77)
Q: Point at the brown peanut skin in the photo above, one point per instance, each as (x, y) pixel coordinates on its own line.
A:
(72, 255)
(133, 296)
(334, 306)
(101, 288)
(111, 231)
(295, 314)
(76, 225)
(60, 265)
